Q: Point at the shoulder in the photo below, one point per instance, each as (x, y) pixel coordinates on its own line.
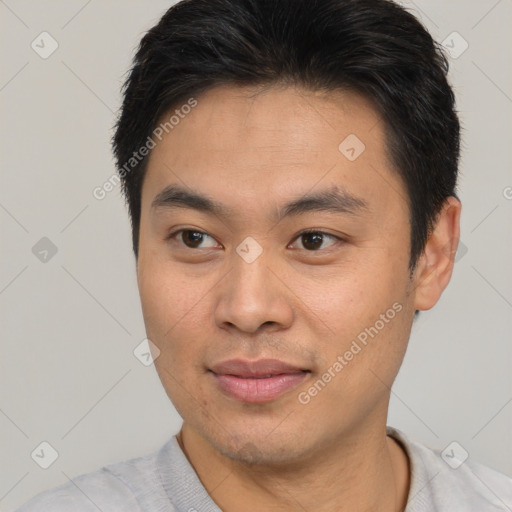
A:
(100, 490)
(450, 481)
(126, 486)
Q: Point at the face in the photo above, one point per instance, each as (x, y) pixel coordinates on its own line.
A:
(273, 269)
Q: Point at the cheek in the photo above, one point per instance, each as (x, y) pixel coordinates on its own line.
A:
(174, 306)
(164, 293)
(175, 316)
(350, 296)
(361, 362)
(362, 309)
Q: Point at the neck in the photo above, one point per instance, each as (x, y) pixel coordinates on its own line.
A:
(363, 471)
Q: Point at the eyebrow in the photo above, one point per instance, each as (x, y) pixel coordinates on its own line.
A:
(332, 201)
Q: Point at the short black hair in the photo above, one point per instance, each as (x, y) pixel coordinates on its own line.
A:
(372, 47)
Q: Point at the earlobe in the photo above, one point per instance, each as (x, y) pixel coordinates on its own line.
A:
(435, 265)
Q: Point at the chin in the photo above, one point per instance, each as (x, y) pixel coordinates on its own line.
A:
(264, 445)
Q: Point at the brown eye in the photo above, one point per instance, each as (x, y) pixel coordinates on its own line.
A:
(312, 241)
(316, 240)
(194, 239)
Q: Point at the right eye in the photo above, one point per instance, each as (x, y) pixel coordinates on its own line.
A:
(193, 239)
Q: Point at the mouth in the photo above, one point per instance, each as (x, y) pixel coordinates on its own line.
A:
(257, 381)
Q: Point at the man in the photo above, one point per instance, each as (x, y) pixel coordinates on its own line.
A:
(290, 170)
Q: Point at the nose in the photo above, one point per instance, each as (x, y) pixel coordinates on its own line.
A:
(253, 297)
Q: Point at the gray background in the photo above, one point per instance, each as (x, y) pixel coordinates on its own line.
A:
(70, 324)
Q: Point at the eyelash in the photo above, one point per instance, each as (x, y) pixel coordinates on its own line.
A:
(299, 235)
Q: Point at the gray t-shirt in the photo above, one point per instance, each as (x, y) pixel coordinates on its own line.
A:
(165, 481)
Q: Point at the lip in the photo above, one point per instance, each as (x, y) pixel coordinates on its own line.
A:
(258, 381)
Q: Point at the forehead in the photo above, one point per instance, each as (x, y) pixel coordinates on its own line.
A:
(249, 142)
(252, 116)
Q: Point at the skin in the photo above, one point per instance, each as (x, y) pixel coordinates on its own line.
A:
(253, 150)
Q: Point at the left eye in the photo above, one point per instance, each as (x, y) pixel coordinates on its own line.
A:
(315, 240)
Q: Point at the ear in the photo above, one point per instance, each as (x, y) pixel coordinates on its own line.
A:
(434, 268)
